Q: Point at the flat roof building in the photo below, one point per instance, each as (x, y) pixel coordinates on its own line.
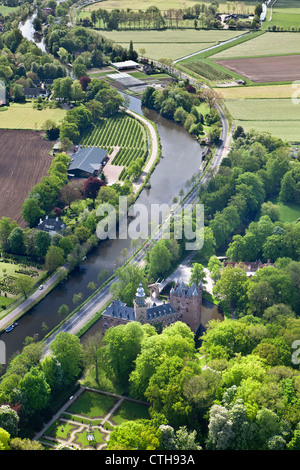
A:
(127, 64)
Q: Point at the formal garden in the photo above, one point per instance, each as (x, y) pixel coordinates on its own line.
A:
(90, 418)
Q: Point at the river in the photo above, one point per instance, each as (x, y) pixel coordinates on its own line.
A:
(181, 159)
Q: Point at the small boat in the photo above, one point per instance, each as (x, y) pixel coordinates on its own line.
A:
(11, 327)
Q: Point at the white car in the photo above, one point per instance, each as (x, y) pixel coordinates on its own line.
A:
(41, 287)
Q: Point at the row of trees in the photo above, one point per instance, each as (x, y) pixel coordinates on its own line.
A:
(154, 18)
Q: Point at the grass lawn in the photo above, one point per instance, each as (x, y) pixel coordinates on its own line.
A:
(171, 44)
(289, 212)
(130, 411)
(4, 10)
(61, 429)
(268, 44)
(280, 117)
(23, 116)
(92, 404)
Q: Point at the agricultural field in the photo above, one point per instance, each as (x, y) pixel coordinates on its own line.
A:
(201, 66)
(171, 44)
(265, 69)
(24, 160)
(165, 5)
(24, 116)
(280, 117)
(123, 133)
(100, 411)
(263, 45)
(284, 14)
(253, 92)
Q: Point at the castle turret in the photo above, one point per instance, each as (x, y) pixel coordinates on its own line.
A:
(140, 307)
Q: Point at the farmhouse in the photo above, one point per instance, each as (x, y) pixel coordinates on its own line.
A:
(35, 93)
(87, 162)
(51, 225)
(185, 304)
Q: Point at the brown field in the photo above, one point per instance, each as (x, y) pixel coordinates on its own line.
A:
(265, 69)
(24, 160)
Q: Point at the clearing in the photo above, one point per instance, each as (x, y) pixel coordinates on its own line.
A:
(24, 160)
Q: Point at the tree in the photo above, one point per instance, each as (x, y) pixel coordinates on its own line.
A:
(198, 274)
(4, 439)
(129, 279)
(214, 267)
(16, 241)
(232, 288)
(25, 444)
(54, 258)
(63, 310)
(6, 227)
(91, 187)
(121, 346)
(175, 341)
(24, 285)
(92, 353)
(179, 440)
(159, 260)
(69, 193)
(287, 190)
(35, 388)
(68, 351)
(9, 420)
(134, 435)
(42, 243)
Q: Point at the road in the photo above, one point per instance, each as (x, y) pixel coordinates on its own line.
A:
(104, 297)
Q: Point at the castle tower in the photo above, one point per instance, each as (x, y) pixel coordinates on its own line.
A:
(140, 307)
(188, 302)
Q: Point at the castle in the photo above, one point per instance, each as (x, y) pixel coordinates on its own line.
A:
(185, 304)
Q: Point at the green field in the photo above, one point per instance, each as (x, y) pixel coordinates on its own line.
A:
(171, 44)
(280, 117)
(163, 4)
(267, 44)
(285, 14)
(23, 116)
(254, 92)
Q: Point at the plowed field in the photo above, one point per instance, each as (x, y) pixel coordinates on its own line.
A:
(24, 160)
